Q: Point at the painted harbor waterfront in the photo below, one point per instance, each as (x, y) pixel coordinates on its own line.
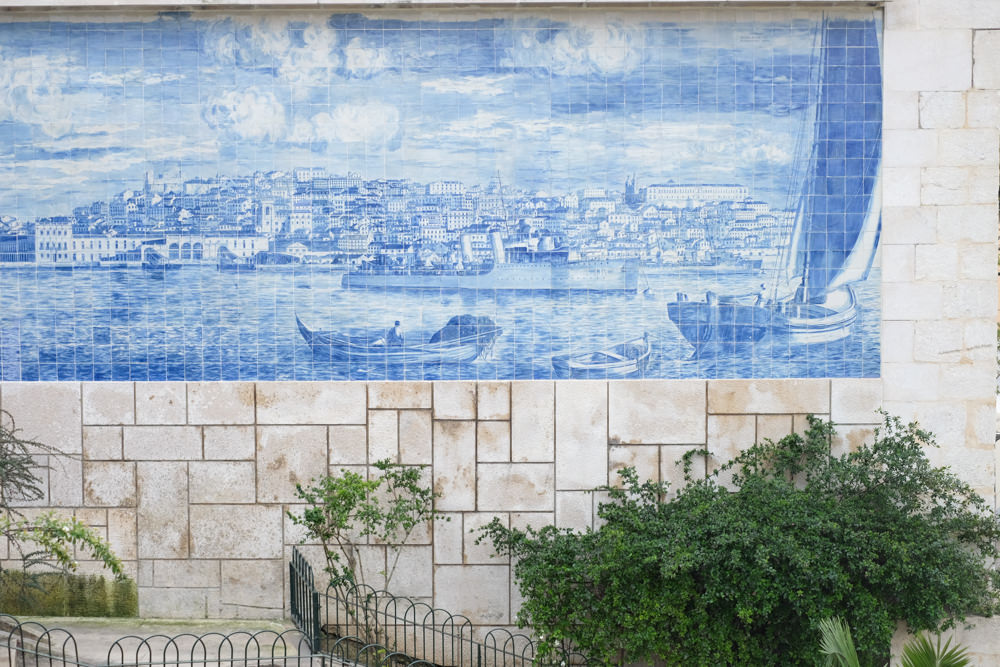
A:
(581, 197)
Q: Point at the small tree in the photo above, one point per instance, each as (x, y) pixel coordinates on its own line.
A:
(344, 512)
(47, 541)
(744, 577)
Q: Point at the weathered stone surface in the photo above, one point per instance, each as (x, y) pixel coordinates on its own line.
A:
(222, 482)
(253, 583)
(900, 186)
(910, 381)
(942, 109)
(163, 509)
(454, 400)
(162, 443)
(581, 434)
(773, 427)
(108, 403)
(900, 110)
(232, 443)
(122, 534)
(910, 148)
(102, 443)
(383, 435)
(414, 575)
(672, 467)
(220, 403)
(174, 602)
(109, 483)
(728, 435)
(65, 481)
(532, 421)
(515, 487)
(480, 554)
(850, 438)
(986, 58)
(902, 336)
(236, 531)
(493, 441)
(399, 395)
(91, 516)
(186, 573)
(311, 403)
(648, 412)
(768, 396)
(644, 458)
(348, 445)
(956, 186)
(478, 592)
(48, 412)
(910, 65)
(160, 403)
(448, 539)
(493, 400)
(855, 400)
(286, 456)
(575, 509)
(415, 437)
(455, 465)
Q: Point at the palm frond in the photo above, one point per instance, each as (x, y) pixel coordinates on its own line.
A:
(920, 652)
(837, 644)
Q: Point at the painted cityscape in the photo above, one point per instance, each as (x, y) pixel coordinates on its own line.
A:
(457, 195)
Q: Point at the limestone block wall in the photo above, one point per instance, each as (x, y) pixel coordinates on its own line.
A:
(191, 482)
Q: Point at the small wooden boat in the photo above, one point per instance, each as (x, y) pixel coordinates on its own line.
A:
(464, 338)
(618, 361)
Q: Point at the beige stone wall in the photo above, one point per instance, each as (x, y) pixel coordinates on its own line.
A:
(191, 482)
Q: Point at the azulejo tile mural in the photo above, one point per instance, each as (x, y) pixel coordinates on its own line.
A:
(459, 195)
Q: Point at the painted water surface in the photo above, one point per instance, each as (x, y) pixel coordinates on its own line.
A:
(529, 196)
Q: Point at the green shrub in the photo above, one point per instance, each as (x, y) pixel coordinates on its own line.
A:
(744, 577)
(61, 594)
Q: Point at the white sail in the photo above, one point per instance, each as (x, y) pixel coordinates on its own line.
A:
(859, 262)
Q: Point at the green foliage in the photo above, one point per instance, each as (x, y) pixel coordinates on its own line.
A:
(62, 594)
(920, 652)
(744, 577)
(46, 541)
(345, 511)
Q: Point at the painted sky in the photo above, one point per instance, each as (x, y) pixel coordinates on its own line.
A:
(553, 103)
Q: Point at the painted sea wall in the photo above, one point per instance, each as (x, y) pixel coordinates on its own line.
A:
(183, 187)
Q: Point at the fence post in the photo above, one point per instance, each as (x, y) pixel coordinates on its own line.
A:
(315, 623)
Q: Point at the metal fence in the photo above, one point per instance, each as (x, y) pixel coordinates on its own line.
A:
(32, 644)
(366, 626)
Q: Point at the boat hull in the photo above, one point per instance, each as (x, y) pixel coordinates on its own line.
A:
(627, 359)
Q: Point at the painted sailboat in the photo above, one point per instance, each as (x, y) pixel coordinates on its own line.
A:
(838, 220)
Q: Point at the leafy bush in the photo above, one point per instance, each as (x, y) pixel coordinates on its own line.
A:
(744, 577)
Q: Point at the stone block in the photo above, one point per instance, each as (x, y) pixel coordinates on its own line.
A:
(980, 341)
(455, 465)
(400, 395)
(348, 445)
(773, 427)
(969, 299)
(236, 531)
(672, 467)
(102, 443)
(286, 456)
(47, 412)
(454, 400)
(768, 396)
(656, 412)
(978, 260)
(173, 602)
(65, 481)
(850, 438)
(644, 458)
(481, 593)
(898, 262)
(109, 483)
(909, 148)
(575, 509)
(414, 575)
(729, 435)
(900, 186)
(90, 516)
(415, 437)
(581, 434)
(855, 400)
(954, 186)
(942, 109)
(907, 225)
(311, 403)
(939, 340)
(515, 487)
(482, 553)
(966, 381)
(493, 400)
(222, 482)
(122, 535)
(911, 65)
(986, 58)
(220, 403)
(186, 573)
(160, 403)
(162, 443)
(252, 583)
(936, 262)
(230, 443)
(983, 108)
(145, 576)
(897, 341)
(383, 435)
(900, 110)
(532, 421)
(910, 382)
(108, 403)
(911, 301)
(493, 441)
(980, 14)
(448, 539)
(162, 509)
(969, 148)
